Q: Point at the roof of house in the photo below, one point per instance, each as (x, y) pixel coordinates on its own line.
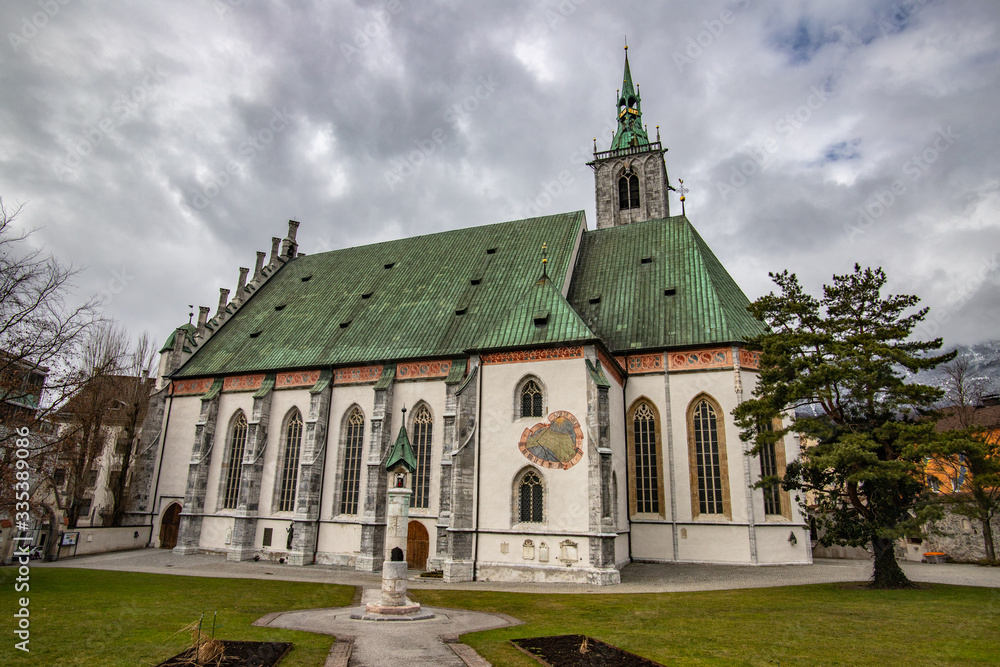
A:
(424, 296)
(647, 285)
(542, 316)
(656, 285)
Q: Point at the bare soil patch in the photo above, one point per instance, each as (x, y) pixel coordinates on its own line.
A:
(579, 651)
(235, 654)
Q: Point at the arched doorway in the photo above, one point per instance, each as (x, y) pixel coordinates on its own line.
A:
(417, 544)
(168, 526)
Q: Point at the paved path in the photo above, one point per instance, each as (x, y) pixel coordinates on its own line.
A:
(636, 577)
(393, 643)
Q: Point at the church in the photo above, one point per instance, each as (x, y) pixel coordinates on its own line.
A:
(567, 394)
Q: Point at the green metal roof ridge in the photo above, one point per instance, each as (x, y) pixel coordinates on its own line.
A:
(520, 327)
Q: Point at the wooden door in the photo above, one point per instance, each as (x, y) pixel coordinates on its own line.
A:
(417, 545)
(169, 525)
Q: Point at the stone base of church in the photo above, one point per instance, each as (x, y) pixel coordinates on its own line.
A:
(457, 571)
(240, 553)
(186, 551)
(368, 563)
(508, 572)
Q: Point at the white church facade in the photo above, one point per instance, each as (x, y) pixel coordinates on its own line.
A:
(568, 395)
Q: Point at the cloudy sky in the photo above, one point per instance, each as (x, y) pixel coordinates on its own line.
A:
(158, 145)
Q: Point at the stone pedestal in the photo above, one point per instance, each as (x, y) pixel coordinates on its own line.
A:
(397, 521)
(393, 600)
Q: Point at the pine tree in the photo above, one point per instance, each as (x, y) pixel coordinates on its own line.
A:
(837, 363)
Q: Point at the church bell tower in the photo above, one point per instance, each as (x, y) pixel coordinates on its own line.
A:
(630, 178)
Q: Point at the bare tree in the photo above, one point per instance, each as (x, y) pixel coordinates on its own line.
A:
(39, 333)
(969, 456)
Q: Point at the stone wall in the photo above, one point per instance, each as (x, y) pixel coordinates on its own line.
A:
(959, 537)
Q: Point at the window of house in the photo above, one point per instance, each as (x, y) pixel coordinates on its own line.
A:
(85, 508)
(708, 459)
(531, 399)
(234, 462)
(59, 476)
(90, 481)
(530, 498)
(422, 433)
(647, 498)
(354, 435)
(628, 191)
(768, 468)
(290, 463)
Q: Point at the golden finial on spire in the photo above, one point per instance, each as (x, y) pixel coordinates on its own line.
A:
(626, 42)
(545, 258)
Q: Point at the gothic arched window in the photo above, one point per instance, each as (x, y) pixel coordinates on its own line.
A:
(234, 461)
(423, 425)
(530, 498)
(290, 462)
(647, 497)
(628, 191)
(707, 452)
(531, 399)
(354, 435)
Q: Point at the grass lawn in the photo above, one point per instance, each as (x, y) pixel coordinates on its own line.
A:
(96, 618)
(90, 617)
(826, 624)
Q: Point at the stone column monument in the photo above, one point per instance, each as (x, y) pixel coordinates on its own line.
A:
(399, 467)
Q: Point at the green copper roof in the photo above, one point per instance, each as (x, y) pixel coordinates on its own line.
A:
(655, 285)
(188, 344)
(426, 296)
(401, 453)
(541, 317)
(630, 130)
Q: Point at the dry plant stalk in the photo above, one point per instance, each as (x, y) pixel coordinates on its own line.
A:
(206, 651)
(583, 646)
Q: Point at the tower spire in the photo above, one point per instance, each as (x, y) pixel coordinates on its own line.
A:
(630, 130)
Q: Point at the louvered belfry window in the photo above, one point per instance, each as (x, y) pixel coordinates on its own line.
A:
(530, 498)
(422, 433)
(234, 464)
(647, 498)
(290, 463)
(628, 191)
(353, 438)
(706, 445)
(531, 399)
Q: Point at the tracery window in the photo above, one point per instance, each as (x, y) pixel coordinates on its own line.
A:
(234, 461)
(530, 498)
(354, 435)
(422, 433)
(531, 399)
(628, 191)
(768, 468)
(647, 498)
(290, 463)
(708, 458)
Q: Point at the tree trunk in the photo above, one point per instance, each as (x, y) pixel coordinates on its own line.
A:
(991, 556)
(887, 574)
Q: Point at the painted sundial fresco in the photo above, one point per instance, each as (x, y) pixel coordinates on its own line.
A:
(557, 443)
